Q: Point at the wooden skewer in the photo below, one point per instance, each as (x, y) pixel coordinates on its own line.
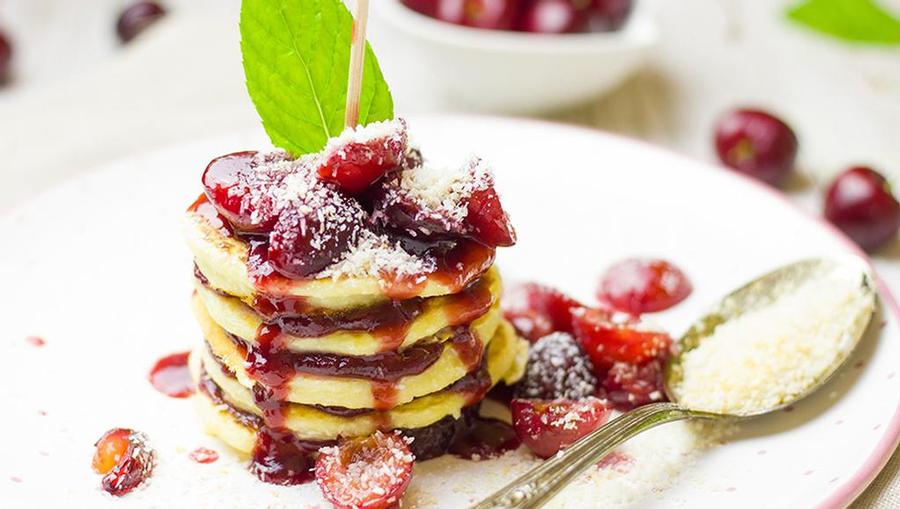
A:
(357, 61)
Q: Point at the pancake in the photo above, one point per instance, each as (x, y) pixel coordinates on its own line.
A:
(433, 315)
(505, 362)
(223, 260)
(451, 361)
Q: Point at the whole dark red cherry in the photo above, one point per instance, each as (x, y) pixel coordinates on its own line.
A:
(426, 7)
(609, 15)
(551, 17)
(5, 58)
(756, 143)
(137, 17)
(859, 202)
(490, 14)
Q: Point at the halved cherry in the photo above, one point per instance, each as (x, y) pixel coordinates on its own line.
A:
(365, 156)
(228, 184)
(547, 427)
(639, 286)
(488, 221)
(629, 386)
(607, 342)
(124, 458)
(365, 473)
(537, 310)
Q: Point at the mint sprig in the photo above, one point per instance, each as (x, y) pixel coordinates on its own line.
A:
(296, 61)
(852, 20)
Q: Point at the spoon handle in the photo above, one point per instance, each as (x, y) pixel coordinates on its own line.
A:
(537, 486)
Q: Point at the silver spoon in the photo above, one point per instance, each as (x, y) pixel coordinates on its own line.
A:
(540, 484)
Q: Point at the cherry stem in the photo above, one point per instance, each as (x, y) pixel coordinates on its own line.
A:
(357, 60)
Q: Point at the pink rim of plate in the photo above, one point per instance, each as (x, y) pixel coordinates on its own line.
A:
(847, 492)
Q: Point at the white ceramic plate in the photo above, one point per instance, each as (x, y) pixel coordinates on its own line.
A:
(97, 268)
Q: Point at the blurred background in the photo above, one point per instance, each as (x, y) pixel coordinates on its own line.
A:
(76, 95)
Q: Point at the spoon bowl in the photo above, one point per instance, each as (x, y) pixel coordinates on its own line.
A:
(847, 282)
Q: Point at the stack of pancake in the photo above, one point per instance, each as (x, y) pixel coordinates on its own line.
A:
(343, 355)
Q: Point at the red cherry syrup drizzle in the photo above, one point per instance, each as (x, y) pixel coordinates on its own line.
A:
(171, 376)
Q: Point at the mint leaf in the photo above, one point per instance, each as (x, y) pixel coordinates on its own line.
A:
(296, 61)
(851, 20)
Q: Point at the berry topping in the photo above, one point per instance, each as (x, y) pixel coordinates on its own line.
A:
(359, 157)
(607, 342)
(547, 427)
(551, 17)
(125, 460)
(365, 473)
(239, 186)
(136, 18)
(488, 222)
(859, 202)
(171, 376)
(315, 227)
(609, 15)
(435, 203)
(5, 58)
(557, 369)
(629, 386)
(639, 286)
(757, 144)
(537, 310)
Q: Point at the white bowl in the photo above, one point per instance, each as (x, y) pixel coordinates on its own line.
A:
(437, 65)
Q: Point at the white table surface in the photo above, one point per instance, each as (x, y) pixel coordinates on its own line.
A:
(80, 100)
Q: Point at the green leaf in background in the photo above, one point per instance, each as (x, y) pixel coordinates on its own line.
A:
(851, 20)
(296, 61)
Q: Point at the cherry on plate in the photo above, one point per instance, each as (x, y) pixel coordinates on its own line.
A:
(125, 460)
(537, 310)
(551, 17)
(609, 15)
(607, 342)
(368, 473)
(629, 386)
(859, 201)
(638, 286)
(5, 58)
(136, 18)
(546, 427)
(757, 144)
